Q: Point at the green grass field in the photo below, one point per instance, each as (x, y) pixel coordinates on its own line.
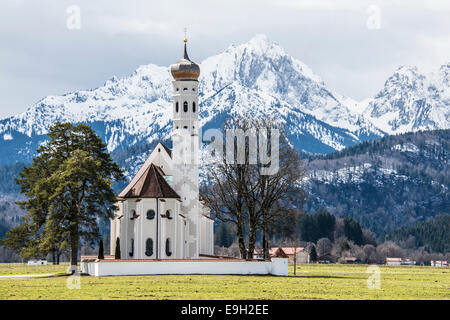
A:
(313, 282)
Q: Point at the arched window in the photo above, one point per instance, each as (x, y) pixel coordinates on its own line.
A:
(169, 214)
(185, 106)
(132, 214)
(151, 214)
(193, 107)
(131, 248)
(168, 249)
(176, 107)
(149, 247)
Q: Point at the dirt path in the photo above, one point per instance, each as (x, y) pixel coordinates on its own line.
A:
(27, 276)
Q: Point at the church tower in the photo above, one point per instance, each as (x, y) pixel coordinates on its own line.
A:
(185, 177)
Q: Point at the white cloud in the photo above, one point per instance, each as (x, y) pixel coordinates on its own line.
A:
(117, 25)
(331, 36)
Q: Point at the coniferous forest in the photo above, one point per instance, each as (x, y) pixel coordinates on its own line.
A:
(394, 187)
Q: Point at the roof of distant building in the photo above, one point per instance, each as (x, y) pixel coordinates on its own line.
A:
(394, 259)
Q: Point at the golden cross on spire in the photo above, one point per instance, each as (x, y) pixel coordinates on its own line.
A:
(185, 32)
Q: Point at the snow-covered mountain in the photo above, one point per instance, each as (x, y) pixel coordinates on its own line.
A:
(412, 101)
(257, 78)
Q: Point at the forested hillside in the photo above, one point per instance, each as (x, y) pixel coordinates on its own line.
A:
(384, 184)
(433, 234)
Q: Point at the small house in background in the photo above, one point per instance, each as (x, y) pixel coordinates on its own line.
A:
(408, 262)
(325, 258)
(439, 263)
(278, 253)
(285, 252)
(258, 254)
(300, 253)
(393, 261)
(41, 262)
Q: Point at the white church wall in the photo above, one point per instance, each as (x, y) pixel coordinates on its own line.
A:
(168, 227)
(115, 228)
(162, 159)
(148, 228)
(129, 207)
(277, 267)
(180, 239)
(210, 237)
(206, 235)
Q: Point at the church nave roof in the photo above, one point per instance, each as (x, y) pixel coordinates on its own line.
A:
(151, 184)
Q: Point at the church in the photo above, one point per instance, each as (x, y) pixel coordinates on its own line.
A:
(161, 214)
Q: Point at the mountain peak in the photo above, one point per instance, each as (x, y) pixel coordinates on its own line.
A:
(262, 45)
(406, 71)
(259, 39)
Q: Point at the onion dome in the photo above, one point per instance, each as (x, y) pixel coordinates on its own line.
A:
(185, 69)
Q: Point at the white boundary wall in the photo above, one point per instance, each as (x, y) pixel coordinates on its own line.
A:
(276, 267)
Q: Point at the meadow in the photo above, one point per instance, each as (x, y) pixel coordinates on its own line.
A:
(310, 282)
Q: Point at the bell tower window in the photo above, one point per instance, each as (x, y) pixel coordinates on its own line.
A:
(193, 107)
(176, 107)
(185, 106)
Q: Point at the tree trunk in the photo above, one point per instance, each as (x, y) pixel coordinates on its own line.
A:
(74, 240)
(251, 241)
(265, 239)
(240, 236)
(295, 259)
(252, 230)
(54, 255)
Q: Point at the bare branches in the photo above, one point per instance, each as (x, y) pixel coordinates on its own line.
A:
(241, 192)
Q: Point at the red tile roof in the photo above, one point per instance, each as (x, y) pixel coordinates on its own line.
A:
(151, 185)
(394, 259)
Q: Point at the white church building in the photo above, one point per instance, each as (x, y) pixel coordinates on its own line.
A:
(162, 224)
(160, 214)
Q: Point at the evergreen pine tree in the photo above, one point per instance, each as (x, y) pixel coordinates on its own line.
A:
(117, 252)
(68, 188)
(313, 254)
(100, 251)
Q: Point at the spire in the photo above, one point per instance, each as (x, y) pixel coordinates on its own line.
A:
(185, 56)
(185, 69)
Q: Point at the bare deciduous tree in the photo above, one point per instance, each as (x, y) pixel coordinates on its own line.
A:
(244, 193)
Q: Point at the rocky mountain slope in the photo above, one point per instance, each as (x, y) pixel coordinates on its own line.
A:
(411, 101)
(257, 79)
(384, 184)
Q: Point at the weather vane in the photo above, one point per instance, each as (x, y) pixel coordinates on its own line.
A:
(185, 32)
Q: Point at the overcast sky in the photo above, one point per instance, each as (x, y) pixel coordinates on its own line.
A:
(353, 45)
